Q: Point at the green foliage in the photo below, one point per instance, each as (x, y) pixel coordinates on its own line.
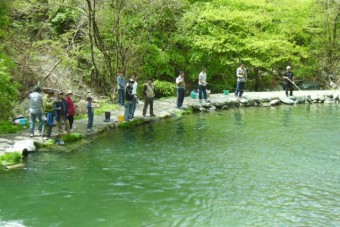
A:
(72, 137)
(8, 91)
(7, 127)
(164, 88)
(64, 19)
(10, 158)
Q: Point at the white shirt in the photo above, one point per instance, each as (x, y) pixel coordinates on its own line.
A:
(241, 74)
(202, 77)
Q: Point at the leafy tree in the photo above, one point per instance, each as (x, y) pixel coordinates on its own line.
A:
(8, 92)
(266, 35)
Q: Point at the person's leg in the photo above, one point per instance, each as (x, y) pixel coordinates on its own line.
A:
(41, 123)
(151, 107)
(241, 88)
(180, 99)
(32, 124)
(291, 89)
(127, 110)
(134, 102)
(237, 88)
(200, 92)
(204, 91)
(67, 125)
(146, 103)
(70, 120)
(90, 121)
(286, 88)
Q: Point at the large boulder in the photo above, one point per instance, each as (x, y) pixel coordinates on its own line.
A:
(287, 100)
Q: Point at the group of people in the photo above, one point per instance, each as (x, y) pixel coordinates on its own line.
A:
(49, 108)
(127, 96)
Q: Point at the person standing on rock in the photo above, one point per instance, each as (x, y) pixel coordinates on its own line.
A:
(121, 88)
(36, 110)
(289, 79)
(180, 89)
(70, 108)
(149, 93)
(90, 114)
(134, 92)
(241, 74)
(202, 84)
(129, 100)
(62, 113)
(48, 104)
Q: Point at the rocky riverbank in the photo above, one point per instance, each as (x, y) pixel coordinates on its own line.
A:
(166, 108)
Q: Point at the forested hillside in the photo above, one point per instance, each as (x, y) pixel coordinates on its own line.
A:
(81, 44)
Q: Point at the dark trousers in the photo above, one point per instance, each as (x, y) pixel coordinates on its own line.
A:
(70, 120)
(148, 101)
(289, 86)
(180, 96)
(134, 103)
(239, 88)
(121, 96)
(90, 120)
(202, 90)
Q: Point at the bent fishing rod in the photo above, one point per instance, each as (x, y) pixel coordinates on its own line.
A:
(301, 90)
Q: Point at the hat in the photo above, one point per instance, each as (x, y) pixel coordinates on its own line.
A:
(288, 67)
(60, 93)
(69, 92)
(131, 81)
(37, 89)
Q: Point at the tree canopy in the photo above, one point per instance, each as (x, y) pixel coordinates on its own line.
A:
(75, 43)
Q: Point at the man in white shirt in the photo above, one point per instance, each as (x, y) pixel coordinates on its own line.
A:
(202, 83)
(36, 110)
(180, 83)
(241, 74)
(134, 92)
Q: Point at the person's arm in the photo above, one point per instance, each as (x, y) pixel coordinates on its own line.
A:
(144, 90)
(178, 80)
(239, 73)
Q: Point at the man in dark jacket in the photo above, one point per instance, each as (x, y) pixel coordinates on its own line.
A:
(129, 100)
(62, 113)
(288, 77)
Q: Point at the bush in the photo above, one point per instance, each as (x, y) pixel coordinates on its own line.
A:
(10, 158)
(164, 88)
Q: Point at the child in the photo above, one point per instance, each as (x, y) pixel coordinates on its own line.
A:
(90, 114)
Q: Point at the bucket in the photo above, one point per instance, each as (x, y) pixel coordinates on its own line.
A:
(193, 94)
(21, 121)
(120, 118)
(226, 92)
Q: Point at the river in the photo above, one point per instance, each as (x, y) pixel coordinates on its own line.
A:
(274, 166)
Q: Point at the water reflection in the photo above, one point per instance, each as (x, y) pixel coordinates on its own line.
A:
(286, 116)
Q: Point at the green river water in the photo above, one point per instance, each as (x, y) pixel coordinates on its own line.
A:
(241, 167)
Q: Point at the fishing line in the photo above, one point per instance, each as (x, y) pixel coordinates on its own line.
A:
(301, 90)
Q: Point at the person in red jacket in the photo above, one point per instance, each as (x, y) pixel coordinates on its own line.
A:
(70, 108)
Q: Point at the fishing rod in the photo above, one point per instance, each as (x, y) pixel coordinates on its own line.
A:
(301, 90)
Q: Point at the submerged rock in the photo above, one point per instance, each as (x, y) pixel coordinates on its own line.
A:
(287, 100)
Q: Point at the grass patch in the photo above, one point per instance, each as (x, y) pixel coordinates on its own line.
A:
(103, 107)
(129, 124)
(72, 137)
(7, 127)
(10, 158)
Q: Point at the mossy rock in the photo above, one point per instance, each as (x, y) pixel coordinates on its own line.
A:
(10, 158)
(129, 124)
(72, 137)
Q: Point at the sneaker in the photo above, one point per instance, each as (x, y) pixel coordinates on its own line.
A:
(152, 115)
(89, 130)
(143, 115)
(31, 135)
